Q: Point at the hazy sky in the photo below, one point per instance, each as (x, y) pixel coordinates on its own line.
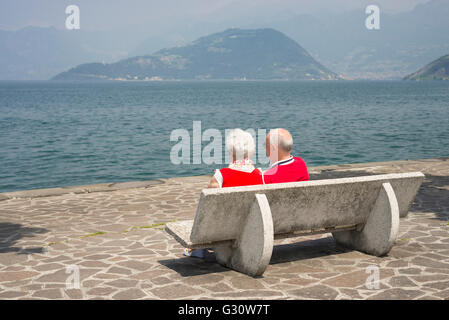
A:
(119, 14)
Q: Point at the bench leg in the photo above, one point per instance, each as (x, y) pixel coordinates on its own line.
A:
(381, 229)
(251, 252)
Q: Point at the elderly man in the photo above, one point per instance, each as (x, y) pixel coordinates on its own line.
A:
(284, 167)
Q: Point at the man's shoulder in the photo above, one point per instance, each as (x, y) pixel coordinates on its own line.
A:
(299, 161)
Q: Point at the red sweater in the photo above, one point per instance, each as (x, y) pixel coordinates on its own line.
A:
(235, 178)
(289, 170)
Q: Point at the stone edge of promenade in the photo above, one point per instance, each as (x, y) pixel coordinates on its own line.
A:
(105, 187)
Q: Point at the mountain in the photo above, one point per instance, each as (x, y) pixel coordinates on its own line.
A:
(36, 53)
(405, 41)
(264, 54)
(436, 70)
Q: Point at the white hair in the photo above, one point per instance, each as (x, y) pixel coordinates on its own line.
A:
(284, 143)
(240, 143)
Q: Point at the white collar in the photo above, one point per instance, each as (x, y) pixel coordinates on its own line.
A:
(245, 165)
(282, 162)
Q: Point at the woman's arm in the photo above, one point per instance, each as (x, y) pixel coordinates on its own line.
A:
(213, 183)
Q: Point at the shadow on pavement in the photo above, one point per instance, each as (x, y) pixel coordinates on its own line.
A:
(188, 266)
(282, 253)
(433, 196)
(10, 233)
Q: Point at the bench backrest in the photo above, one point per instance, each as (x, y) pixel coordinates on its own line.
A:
(299, 206)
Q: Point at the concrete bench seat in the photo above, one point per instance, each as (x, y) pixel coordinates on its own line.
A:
(241, 223)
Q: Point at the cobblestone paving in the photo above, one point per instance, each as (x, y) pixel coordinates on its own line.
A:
(116, 239)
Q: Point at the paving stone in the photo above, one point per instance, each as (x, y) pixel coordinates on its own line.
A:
(148, 275)
(442, 294)
(101, 291)
(429, 263)
(429, 278)
(74, 293)
(49, 266)
(48, 294)
(12, 294)
(97, 257)
(119, 270)
(93, 264)
(351, 293)
(143, 252)
(61, 276)
(91, 283)
(62, 230)
(246, 283)
(397, 294)
(300, 268)
(161, 280)
(397, 264)
(401, 281)
(300, 281)
(440, 285)
(351, 280)
(122, 283)
(249, 294)
(321, 292)
(410, 271)
(137, 265)
(175, 291)
(220, 287)
(129, 294)
(16, 275)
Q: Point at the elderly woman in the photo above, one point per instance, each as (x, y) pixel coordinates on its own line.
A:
(241, 171)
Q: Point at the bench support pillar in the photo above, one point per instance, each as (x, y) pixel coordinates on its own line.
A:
(251, 252)
(381, 229)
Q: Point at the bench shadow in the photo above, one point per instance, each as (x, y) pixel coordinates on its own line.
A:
(301, 250)
(306, 249)
(433, 196)
(10, 233)
(187, 266)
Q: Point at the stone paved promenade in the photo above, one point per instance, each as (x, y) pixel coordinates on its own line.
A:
(114, 235)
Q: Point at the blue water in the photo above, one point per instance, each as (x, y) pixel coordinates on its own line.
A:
(55, 134)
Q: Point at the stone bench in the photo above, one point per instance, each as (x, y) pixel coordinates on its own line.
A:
(241, 223)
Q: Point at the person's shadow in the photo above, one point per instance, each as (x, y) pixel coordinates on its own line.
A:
(10, 233)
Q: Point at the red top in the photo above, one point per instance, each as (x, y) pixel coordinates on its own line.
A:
(236, 178)
(289, 170)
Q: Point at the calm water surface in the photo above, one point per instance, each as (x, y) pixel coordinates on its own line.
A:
(55, 134)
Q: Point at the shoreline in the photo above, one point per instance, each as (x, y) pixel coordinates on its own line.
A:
(114, 186)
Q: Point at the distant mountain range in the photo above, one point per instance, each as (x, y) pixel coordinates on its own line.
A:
(237, 54)
(436, 70)
(35, 53)
(405, 42)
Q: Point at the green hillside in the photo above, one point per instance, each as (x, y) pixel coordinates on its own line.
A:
(436, 70)
(264, 54)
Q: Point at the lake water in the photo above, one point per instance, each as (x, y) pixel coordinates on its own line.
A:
(55, 134)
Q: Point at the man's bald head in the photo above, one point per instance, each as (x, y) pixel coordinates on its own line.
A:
(280, 141)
